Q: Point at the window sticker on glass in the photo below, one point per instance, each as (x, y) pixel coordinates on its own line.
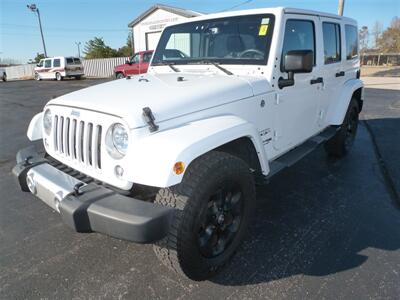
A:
(265, 21)
(263, 30)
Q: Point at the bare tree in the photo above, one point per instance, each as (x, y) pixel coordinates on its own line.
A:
(377, 30)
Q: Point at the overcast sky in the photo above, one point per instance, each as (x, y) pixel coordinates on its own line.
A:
(68, 21)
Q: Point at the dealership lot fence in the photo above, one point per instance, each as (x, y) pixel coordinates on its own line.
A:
(98, 68)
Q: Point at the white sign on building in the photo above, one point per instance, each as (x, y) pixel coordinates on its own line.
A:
(148, 26)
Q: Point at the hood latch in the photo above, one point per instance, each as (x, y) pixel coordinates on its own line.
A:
(149, 119)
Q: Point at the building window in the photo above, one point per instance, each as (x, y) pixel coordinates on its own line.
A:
(351, 42)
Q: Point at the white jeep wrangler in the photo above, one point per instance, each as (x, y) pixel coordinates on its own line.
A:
(172, 156)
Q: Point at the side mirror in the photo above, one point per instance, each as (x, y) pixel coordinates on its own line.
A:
(296, 61)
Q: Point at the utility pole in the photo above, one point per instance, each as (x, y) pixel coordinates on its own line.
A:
(79, 49)
(340, 7)
(34, 9)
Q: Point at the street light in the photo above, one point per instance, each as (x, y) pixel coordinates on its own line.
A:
(35, 9)
(79, 49)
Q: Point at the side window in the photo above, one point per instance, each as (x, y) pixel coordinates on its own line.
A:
(47, 63)
(56, 63)
(135, 59)
(147, 57)
(299, 35)
(40, 64)
(332, 44)
(70, 61)
(351, 41)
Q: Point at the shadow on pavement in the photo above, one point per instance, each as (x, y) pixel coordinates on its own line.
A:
(318, 218)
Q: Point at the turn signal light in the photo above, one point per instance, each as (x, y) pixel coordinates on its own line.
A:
(179, 167)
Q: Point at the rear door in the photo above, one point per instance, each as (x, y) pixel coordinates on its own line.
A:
(333, 69)
(297, 105)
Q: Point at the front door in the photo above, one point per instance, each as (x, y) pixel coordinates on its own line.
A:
(297, 106)
(133, 67)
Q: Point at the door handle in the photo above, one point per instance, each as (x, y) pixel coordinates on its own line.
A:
(317, 80)
(339, 74)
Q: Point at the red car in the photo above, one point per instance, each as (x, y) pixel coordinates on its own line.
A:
(138, 64)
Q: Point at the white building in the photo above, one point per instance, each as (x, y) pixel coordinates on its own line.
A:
(146, 29)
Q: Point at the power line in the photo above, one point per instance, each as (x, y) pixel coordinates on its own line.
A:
(64, 29)
(237, 5)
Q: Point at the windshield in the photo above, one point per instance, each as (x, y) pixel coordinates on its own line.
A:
(232, 40)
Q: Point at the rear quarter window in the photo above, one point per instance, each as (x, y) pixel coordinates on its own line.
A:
(70, 61)
(56, 63)
(351, 42)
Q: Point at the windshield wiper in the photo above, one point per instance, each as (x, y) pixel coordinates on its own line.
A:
(171, 65)
(221, 68)
(217, 65)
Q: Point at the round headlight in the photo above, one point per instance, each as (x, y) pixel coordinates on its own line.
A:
(47, 121)
(120, 138)
(117, 140)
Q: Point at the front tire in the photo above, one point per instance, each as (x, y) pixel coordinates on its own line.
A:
(214, 203)
(119, 76)
(37, 77)
(58, 77)
(4, 77)
(343, 140)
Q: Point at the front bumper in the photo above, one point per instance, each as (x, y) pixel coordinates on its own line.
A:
(91, 207)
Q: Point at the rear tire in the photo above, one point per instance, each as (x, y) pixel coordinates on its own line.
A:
(119, 76)
(214, 203)
(58, 77)
(78, 77)
(4, 78)
(341, 143)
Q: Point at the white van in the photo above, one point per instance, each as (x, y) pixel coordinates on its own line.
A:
(58, 68)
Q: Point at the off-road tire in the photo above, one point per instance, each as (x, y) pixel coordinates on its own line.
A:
(180, 250)
(339, 145)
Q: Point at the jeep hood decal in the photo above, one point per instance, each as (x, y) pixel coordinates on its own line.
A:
(168, 95)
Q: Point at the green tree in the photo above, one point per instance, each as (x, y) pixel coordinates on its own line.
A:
(127, 49)
(37, 58)
(389, 41)
(97, 48)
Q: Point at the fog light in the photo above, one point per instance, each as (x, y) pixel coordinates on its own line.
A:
(179, 167)
(119, 171)
(31, 184)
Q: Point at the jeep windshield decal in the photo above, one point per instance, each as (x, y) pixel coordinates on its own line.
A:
(232, 40)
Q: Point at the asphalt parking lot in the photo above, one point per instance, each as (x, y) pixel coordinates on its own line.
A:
(323, 229)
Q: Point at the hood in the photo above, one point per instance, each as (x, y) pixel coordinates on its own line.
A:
(168, 95)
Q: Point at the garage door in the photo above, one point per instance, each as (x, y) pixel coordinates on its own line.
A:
(152, 40)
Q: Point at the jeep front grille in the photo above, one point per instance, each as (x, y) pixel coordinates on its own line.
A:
(78, 140)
